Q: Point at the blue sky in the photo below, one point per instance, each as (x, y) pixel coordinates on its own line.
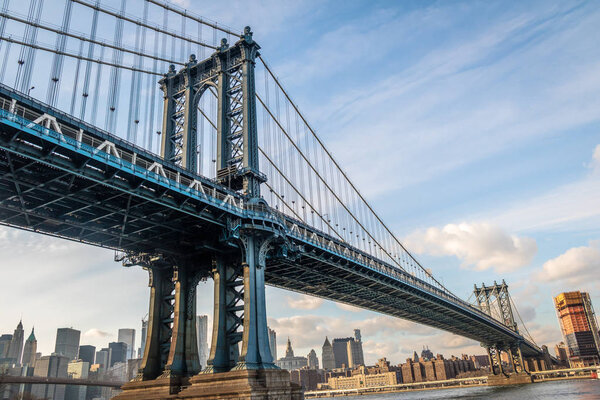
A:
(471, 127)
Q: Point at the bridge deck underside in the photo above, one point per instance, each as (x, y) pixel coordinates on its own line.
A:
(52, 188)
(49, 190)
(318, 275)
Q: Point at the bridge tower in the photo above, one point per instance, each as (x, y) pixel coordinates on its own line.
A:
(496, 298)
(240, 344)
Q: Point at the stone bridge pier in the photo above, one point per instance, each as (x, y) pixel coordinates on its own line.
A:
(515, 373)
(240, 365)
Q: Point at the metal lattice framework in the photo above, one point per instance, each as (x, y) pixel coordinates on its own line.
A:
(219, 199)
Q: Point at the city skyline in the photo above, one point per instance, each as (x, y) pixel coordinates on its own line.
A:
(519, 202)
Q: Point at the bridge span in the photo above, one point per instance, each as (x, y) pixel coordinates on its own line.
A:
(51, 180)
(274, 208)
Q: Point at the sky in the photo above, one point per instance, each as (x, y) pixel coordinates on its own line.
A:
(473, 128)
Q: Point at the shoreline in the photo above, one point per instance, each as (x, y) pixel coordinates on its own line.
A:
(382, 390)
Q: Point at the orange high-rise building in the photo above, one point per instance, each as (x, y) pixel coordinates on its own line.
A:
(579, 328)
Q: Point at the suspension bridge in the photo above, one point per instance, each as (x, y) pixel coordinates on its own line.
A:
(176, 145)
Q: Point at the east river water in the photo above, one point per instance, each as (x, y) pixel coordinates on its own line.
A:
(563, 390)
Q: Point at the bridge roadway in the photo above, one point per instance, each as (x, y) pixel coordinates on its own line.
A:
(63, 177)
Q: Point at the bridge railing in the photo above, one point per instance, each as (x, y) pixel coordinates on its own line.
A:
(195, 185)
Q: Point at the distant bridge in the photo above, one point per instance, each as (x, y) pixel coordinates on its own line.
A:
(36, 380)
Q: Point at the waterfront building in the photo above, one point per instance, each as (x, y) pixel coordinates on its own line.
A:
(143, 341)
(118, 353)
(53, 366)
(435, 369)
(202, 337)
(87, 353)
(561, 352)
(362, 378)
(579, 328)
(127, 336)
(67, 342)
(77, 370)
(480, 362)
(291, 362)
(273, 343)
(313, 361)
(309, 379)
(15, 350)
(30, 349)
(327, 356)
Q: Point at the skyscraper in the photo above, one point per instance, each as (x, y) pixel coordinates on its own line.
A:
(5, 345)
(273, 343)
(15, 351)
(118, 352)
(202, 337)
(54, 366)
(340, 351)
(355, 351)
(77, 370)
(67, 342)
(579, 328)
(327, 356)
(127, 335)
(103, 358)
(30, 350)
(143, 341)
(87, 354)
(313, 361)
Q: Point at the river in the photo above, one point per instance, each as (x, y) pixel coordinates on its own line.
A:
(563, 390)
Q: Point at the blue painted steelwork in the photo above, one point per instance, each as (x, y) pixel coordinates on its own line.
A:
(312, 257)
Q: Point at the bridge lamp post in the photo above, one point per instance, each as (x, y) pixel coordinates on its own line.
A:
(29, 90)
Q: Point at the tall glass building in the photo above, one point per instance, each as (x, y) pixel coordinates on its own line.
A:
(579, 328)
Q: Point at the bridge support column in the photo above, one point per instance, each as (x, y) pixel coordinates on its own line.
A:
(495, 362)
(518, 377)
(228, 297)
(158, 334)
(256, 353)
(183, 352)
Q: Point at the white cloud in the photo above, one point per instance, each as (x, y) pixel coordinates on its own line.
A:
(304, 302)
(96, 333)
(478, 244)
(576, 266)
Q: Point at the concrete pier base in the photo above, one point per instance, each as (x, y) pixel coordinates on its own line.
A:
(513, 379)
(264, 384)
(234, 385)
(156, 389)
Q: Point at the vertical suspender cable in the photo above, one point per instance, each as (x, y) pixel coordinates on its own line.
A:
(76, 80)
(4, 61)
(115, 75)
(97, 87)
(30, 57)
(21, 60)
(88, 66)
(2, 28)
(57, 63)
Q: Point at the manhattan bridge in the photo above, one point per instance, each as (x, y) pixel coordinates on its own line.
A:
(146, 129)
